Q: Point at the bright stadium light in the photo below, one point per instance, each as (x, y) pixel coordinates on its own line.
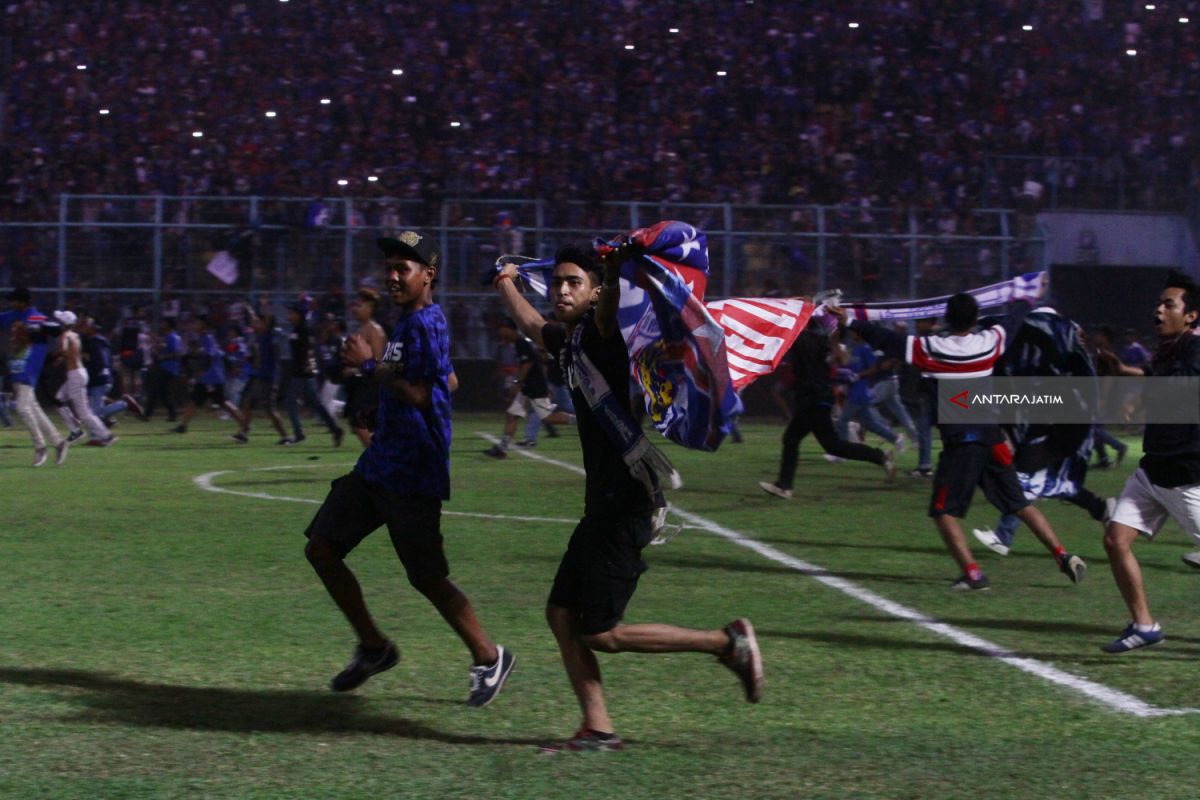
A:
(853, 24)
(104, 112)
(270, 115)
(1184, 20)
(721, 73)
(1026, 27)
(81, 66)
(629, 47)
(1150, 6)
(1131, 52)
(672, 30)
(325, 101)
(455, 124)
(397, 72)
(198, 134)
(373, 178)
(343, 182)
(410, 99)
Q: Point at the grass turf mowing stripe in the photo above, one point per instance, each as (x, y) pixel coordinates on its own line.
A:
(1113, 698)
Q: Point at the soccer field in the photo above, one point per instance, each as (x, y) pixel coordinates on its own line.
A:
(163, 636)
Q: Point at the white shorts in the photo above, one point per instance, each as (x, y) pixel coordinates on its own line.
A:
(1145, 507)
(521, 405)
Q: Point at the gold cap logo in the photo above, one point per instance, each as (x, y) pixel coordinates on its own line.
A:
(410, 238)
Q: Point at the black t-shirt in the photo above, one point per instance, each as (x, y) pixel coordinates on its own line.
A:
(1173, 451)
(611, 489)
(534, 385)
(303, 360)
(809, 358)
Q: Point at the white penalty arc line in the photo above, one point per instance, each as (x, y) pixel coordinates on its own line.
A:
(1113, 698)
(206, 482)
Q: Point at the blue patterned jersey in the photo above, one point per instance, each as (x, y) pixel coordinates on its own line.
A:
(409, 453)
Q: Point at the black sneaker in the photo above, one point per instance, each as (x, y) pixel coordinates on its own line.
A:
(496, 451)
(294, 440)
(743, 658)
(363, 665)
(486, 682)
(74, 436)
(179, 429)
(240, 438)
(1073, 567)
(965, 584)
(587, 740)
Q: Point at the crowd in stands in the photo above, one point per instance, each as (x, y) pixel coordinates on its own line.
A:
(898, 103)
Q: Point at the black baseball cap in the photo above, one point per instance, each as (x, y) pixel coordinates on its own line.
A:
(21, 295)
(411, 245)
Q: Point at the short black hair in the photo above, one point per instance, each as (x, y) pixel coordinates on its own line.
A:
(584, 257)
(961, 312)
(1191, 292)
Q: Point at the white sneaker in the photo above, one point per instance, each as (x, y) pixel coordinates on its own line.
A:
(901, 444)
(1191, 559)
(770, 487)
(39, 456)
(832, 459)
(60, 452)
(988, 538)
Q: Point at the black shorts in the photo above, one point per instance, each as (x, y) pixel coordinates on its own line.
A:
(355, 507)
(962, 467)
(599, 572)
(258, 394)
(203, 393)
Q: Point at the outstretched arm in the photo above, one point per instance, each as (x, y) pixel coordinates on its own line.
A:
(527, 317)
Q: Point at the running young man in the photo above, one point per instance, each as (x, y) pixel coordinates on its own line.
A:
(1167, 480)
(973, 455)
(402, 478)
(599, 572)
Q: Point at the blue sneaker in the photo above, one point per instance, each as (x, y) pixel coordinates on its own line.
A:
(1131, 639)
(486, 682)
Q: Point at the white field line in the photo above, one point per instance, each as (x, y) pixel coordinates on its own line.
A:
(206, 483)
(1113, 698)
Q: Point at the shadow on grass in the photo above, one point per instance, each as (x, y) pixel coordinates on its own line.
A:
(110, 699)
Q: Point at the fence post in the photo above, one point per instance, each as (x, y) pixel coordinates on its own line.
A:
(914, 253)
(348, 251)
(539, 220)
(62, 249)
(158, 256)
(727, 278)
(1005, 246)
(822, 274)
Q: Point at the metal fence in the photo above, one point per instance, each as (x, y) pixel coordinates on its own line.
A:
(110, 252)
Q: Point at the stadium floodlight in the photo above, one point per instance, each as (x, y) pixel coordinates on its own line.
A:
(1026, 27)
(1150, 6)
(410, 99)
(343, 182)
(1184, 20)
(721, 73)
(397, 71)
(373, 178)
(1131, 52)
(629, 47)
(104, 112)
(198, 134)
(325, 101)
(853, 24)
(456, 124)
(81, 66)
(672, 30)
(270, 115)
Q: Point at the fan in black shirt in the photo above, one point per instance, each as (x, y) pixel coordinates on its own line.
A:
(600, 570)
(1167, 481)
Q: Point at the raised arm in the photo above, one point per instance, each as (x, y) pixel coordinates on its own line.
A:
(527, 317)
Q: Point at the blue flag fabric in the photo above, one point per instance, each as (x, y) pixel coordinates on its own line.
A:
(677, 351)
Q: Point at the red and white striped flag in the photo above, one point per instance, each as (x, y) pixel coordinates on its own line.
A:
(758, 332)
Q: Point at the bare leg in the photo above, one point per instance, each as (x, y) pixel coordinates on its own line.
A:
(456, 609)
(345, 590)
(1040, 526)
(1118, 543)
(656, 638)
(583, 670)
(952, 534)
